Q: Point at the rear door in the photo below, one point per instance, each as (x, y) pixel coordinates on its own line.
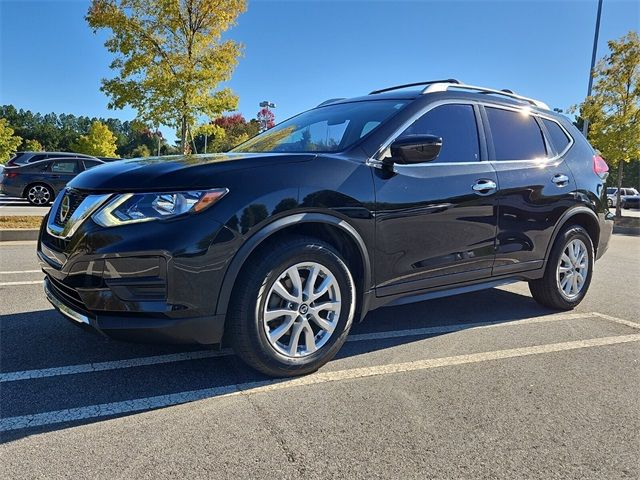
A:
(535, 185)
(432, 227)
(61, 172)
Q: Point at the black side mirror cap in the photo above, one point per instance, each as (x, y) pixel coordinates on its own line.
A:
(415, 149)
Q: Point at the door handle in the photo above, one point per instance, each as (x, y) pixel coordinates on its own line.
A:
(560, 180)
(484, 187)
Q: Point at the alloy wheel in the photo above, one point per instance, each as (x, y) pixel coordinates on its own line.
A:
(39, 195)
(573, 268)
(302, 309)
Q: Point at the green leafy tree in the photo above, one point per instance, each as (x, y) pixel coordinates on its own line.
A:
(613, 109)
(33, 146)
(99, 141)
(141, 151)
(8, 141)
(169, 57)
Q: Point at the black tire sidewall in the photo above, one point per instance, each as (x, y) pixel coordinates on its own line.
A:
(261, 280)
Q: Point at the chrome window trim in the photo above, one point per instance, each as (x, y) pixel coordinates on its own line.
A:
(89, 205)
(376, 161)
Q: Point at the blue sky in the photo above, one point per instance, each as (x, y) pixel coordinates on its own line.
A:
(299, 53)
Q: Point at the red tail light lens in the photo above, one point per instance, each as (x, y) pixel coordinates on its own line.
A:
(600, 167)
(10, 174)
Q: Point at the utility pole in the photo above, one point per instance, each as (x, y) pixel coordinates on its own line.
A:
(585, 124)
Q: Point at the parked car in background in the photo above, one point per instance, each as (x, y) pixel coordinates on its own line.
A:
(22, 158)
(279, 245)
(630, 201)
(40, 182)
(612, 195)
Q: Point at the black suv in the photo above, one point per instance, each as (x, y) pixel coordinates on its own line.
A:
(401, 195)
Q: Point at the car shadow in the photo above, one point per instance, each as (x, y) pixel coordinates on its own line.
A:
(43, 339)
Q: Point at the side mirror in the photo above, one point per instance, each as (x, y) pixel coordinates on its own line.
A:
(415, 149)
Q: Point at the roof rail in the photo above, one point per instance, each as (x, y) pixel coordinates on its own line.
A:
(407, 85)
(327, 102)
(444, 86)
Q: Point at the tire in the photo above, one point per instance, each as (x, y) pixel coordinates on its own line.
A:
(562, 268)
(257, 342)
(609, 202)
(39, 194)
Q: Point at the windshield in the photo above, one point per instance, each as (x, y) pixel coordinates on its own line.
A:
(326, 129)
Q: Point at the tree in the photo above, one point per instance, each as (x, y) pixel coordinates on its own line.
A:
(141, 151)
(100, 141)
(169, 57)
(8, 141)
(613, 109)
(33, 146)
(266, 119)
(226, 132)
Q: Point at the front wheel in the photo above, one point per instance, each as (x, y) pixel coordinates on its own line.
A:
(292, 307)
(568, 273)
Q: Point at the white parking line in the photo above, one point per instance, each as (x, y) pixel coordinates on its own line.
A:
(253, 388)
(621, 321)
(202, 354)
(17, 272)
(13, 284)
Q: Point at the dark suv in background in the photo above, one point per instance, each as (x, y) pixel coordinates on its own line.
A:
(39, 182)
(401, 195)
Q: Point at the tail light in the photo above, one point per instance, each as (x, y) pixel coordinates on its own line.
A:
(600, 167)
(10, 174)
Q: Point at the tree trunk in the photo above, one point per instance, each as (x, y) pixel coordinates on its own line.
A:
(183, 136)
(618, 206)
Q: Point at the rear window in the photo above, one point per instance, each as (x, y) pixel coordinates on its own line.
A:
(90, 164)
(516, 135)
(559, 139)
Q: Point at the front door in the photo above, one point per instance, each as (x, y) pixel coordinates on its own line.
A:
(436, 221)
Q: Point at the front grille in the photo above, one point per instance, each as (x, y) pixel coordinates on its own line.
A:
(66, 293)
(75, 198)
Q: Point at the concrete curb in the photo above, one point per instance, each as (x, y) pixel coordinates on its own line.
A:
(627, 230)
(14, 234)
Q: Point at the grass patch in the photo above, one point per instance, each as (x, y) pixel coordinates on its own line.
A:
(22, 221)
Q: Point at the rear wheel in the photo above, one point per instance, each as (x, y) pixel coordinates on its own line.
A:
(292, 308)
(39, 195)
(568, 273)
(609, 202)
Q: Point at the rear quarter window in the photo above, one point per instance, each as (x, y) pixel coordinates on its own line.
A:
(559, 138)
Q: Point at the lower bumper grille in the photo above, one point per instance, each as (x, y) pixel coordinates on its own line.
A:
(66, 293)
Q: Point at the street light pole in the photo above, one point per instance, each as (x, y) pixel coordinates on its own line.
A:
(585, 124)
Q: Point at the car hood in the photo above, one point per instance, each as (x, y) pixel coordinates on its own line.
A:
(174, 172)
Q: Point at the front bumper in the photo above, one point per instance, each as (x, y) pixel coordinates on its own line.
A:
(159, 283)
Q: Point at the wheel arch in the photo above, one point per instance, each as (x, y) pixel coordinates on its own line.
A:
(336, 231)
(582, 216)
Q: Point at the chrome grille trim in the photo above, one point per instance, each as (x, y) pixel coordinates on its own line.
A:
(89, 205)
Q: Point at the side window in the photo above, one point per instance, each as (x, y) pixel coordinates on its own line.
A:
(516, 135)
(64, 166)
(456, 125)
(559, 139)
(90, 164)
(37, 158)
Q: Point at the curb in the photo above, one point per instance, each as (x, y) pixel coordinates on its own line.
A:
(627, 230)
(14, 234)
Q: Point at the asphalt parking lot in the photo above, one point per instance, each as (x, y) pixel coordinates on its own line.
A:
(484, 385)
(14, 206)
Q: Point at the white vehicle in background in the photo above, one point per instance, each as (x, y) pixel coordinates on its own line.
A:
(612, 194)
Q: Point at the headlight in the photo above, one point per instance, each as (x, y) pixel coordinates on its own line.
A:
(143, 207)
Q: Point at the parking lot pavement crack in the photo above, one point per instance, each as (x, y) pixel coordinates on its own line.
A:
(296, 459)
